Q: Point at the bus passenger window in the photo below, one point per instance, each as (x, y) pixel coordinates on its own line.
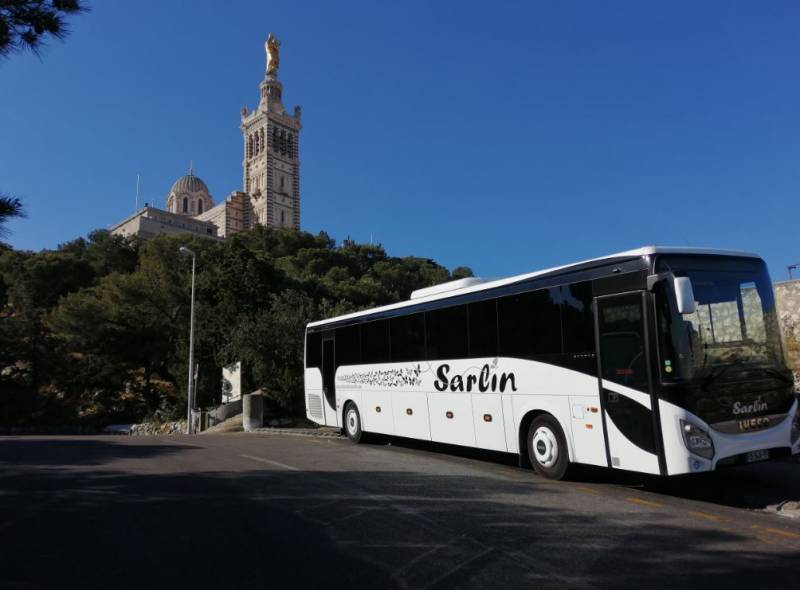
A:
(530, 323)
(348, 346)
(314, 350)
(577, 317)
(483, 329)
(375, 342)
(408, 338)
(447, 333)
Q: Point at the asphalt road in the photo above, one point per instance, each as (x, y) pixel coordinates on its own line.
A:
(274, 511)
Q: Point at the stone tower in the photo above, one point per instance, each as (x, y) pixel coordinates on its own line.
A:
(271, 145)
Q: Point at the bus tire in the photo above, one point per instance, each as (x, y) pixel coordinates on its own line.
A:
(352, 423)
(547, 447)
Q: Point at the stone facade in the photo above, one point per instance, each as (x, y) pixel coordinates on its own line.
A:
(234, 214)
(720, 322)
(271, 177)
(787, 300)
(149, 222)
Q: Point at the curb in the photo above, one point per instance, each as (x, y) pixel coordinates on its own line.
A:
(307, 432)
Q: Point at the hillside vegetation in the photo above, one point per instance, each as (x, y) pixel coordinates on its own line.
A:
(96, 331)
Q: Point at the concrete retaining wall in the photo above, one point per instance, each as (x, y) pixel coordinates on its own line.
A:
(223, 412)
(252, 411)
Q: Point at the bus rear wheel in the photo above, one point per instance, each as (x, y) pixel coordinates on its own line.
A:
(547, 447)
(352, 423)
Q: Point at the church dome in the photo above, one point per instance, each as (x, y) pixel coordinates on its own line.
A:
(189, 196)
(189, 184)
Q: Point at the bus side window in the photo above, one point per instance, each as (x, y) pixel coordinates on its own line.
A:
(483, 329)
(314, 350)
(348, 346)
(577, 317)
(447, 333)
(530, 323)
(408, 337)
(375, 342)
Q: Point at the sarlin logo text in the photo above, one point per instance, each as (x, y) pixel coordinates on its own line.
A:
(751, 408)
(484, 381)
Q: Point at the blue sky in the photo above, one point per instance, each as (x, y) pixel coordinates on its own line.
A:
(506, 136)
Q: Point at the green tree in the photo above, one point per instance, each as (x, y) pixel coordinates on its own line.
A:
(24, 24)
(461, 272)
(99, 328)
(10, 207)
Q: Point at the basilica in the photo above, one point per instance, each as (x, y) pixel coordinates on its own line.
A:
(270, 193)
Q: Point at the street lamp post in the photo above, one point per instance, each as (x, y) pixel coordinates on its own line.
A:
(190, 391)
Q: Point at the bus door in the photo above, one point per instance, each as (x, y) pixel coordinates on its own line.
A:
(626, 398)
(329, 377)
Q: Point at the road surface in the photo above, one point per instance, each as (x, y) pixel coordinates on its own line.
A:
(275, 511)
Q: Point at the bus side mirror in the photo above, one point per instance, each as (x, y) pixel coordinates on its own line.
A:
(684, 295)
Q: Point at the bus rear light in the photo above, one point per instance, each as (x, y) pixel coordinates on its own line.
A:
(697, 440)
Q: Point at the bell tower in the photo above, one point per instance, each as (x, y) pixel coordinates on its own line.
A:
(271, 165)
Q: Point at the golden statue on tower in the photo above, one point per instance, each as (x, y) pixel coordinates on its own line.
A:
(272, 47)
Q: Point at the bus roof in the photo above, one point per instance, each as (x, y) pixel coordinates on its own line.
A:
(483, 286)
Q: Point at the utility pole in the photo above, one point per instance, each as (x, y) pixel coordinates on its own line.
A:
(190, 391)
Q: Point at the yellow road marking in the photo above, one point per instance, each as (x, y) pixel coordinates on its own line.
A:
(707, 516)
(780, 532)
(587, 490)
(647, 503)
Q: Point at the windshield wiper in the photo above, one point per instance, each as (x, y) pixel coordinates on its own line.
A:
(716, 375)
(776, 373)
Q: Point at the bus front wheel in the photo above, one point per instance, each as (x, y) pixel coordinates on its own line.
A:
(547, 447)
(352, 423)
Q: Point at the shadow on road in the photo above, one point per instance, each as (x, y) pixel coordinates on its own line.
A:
(81, 524)
(61, 451)
(754, 486)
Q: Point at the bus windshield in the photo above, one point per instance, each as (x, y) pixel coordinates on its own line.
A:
(735, 323)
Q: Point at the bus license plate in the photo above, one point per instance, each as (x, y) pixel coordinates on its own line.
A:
(754, 456)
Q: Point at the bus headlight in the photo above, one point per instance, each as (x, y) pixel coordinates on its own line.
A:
(697, 440)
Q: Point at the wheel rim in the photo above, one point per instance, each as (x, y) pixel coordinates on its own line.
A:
(352, 422)
(545, 447)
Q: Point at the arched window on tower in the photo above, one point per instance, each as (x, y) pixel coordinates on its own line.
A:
(290, 145)
(250, 146)
(185, 204)
(275, 139)
(261, 139)
(199, 206)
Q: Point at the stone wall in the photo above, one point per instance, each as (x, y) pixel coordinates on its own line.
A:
(787, 298)
(720, 322)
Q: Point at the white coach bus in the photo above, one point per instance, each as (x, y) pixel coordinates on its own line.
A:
(657, 360)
